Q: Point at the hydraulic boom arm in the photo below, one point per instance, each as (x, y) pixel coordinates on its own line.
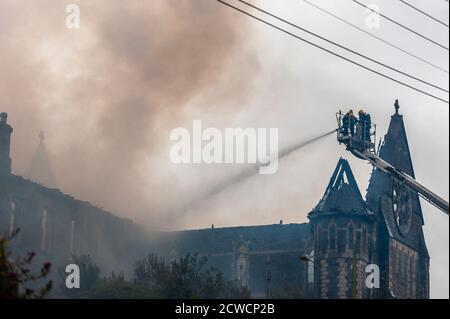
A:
(405, 179)
(361, 143)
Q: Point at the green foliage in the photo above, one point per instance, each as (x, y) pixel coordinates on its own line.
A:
(119, 288)
(153, 278)
(185, 278)
(16, 278)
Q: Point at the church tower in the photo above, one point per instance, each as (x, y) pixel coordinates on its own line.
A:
(343, 238)
(40, 171)
(402, 252)
(5, 144)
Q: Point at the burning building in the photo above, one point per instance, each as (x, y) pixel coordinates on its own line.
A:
(325, 258)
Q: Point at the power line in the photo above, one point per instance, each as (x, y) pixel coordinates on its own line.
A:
(343, 47)
(401, 25)
(331, 52)
(423, 12)
(376, 37)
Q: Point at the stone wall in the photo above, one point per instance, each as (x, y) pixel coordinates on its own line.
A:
(403, 270)
(343, 248)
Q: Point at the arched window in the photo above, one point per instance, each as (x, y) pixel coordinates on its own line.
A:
(364, 237)
(358, 242)
(351, 236)
(242, 265)
(317, 238)
(324, 240)
(332, 231)
(311, 268)
(342, 240)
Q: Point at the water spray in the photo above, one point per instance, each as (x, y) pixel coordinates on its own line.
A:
(252, 171)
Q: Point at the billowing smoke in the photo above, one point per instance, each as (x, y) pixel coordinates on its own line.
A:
(108, 94)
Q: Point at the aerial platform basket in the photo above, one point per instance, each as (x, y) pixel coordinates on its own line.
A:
(361, 140)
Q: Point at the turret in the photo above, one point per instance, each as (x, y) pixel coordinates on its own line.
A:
(5, 144)
(343, 237)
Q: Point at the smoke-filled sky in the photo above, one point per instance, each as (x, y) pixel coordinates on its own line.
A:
(108, 95)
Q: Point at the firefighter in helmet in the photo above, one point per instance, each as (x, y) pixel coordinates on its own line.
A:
(348, 123)
(365, 123)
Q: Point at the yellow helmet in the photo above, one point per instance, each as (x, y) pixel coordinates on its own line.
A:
(361, 111)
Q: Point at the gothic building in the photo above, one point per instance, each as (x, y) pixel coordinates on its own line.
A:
(401, 251)
(344, 238)
(57, 226)
(325, 258)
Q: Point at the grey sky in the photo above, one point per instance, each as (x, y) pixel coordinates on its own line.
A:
(108, 95)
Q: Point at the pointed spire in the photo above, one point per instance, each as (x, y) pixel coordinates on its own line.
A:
(342, 193)
(41, 137)
(395, 150)
(40, 171)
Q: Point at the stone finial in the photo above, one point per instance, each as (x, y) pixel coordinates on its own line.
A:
(397, 106)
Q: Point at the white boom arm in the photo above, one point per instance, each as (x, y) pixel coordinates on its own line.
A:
(405, 179)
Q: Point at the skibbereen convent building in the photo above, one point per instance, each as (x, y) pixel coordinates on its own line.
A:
(345, 233)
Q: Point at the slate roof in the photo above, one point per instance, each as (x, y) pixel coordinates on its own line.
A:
(221, 240)
(342, 194)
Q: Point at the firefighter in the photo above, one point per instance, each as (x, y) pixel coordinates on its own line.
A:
(348, 124)
(365, 122)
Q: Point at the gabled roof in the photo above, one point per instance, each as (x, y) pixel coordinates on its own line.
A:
(342, 193)
(288, 237)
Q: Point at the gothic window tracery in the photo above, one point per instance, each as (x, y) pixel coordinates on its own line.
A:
(351, 236)
(332, 232)
(402, 208)
(242, 264)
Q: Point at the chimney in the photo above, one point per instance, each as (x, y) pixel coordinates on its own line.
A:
(5, 144)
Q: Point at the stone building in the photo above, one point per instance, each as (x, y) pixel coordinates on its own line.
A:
(401, 249)
(344, 238)
(345, 235)
(57, 226)
(266, 259)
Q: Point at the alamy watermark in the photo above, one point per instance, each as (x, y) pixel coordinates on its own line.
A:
(73, 277)
(73, 16)
(373, 276)
(373, 19)
(232, 146)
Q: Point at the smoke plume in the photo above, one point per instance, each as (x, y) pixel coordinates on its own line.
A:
(108, 94)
